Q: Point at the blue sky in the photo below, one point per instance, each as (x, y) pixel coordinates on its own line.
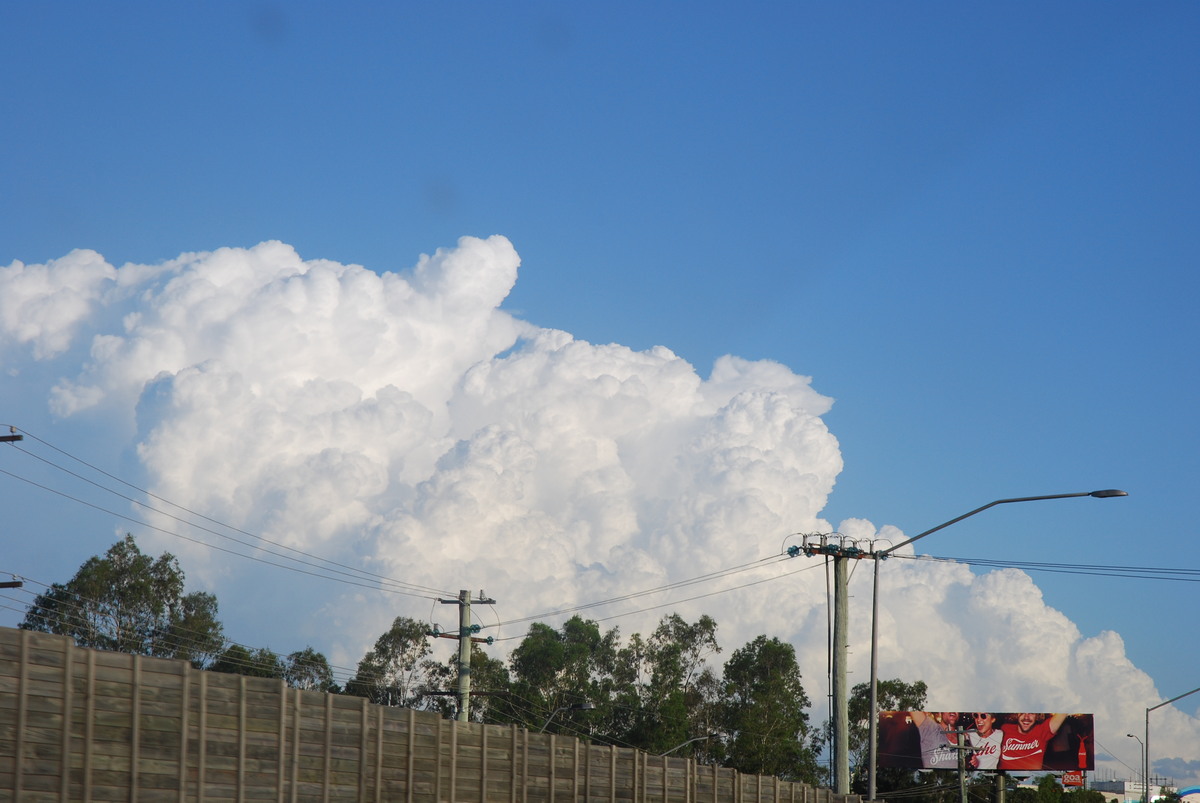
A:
(973, 225)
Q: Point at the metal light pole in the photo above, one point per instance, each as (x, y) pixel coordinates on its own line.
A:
(690, 741)
(1141, 761)
(1146, 760)
(884, 553)
(572, 707)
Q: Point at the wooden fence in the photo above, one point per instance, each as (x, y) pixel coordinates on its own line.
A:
(82, 725)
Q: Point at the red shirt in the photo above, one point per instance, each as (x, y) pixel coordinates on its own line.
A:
(1024, 751)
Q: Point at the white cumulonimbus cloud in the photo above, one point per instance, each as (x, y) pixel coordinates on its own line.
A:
(406, 424)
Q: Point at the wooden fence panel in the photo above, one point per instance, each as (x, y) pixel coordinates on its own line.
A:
(85, 725)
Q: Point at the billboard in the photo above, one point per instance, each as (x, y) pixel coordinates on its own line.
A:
(990, 741)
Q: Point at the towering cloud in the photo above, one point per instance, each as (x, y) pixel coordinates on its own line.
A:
(407, 425)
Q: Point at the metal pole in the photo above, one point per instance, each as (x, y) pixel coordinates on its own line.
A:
(962, 764)
(841, 707)
(883, 553)
(1146, 762)
(1141, 759)
(873, 725)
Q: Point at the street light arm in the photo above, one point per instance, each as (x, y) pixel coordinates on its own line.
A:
(1146, 744)
(1173, 699)
(689, 741)
(873, 725)
(883, 553)
(572, 707)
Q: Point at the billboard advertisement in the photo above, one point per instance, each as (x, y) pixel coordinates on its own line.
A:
(990, 741)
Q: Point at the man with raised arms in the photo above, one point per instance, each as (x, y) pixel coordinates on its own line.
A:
(1024, 745)
(938, 741)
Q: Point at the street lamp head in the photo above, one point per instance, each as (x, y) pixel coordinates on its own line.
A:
(572, 707)
(1107, 493)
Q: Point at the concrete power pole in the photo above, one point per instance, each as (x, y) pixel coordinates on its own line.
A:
(841, 550)
(841, 700)
(466, 638)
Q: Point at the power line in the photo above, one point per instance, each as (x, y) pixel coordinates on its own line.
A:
(1099, 570)
(76, 611)
(559, 612)
(314, 561)
(642, 593)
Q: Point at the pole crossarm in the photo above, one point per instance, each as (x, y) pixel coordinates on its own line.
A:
(831, 545)
(466, 637)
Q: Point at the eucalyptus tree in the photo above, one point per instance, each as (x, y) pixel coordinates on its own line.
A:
(260, 662)
(891, 695)
(130, 602)
(309, 670)
(762, 712)
(671, 687)
(395, 671)
(489, 687)
(556, 669)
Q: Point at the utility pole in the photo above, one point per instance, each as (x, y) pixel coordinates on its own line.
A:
(841, 549)
(961, 744)
(466, 638)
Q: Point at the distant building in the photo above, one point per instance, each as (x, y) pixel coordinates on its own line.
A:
(1125, 791)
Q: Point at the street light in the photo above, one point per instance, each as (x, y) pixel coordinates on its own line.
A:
(689, 741)
(1146, 760)
(884, 553)
(1142, 761)
(572, 707)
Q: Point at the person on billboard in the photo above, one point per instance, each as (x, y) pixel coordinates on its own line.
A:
(1024, 745)
(985, 742)
(939, 743)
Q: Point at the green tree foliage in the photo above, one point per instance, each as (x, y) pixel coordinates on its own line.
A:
(309, 670)
(666, 690)
(129, 602)
(258, 663)
(304, 669)
(892, 695)
(763, 712)
(1081, 795)
(1048, 790)
(1019, 794)
(489, 687)
(552, 669)
(395, 671)
(660, 693)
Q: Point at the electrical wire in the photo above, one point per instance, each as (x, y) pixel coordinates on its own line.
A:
(1098, 570)
(317, 566)
(645, 592)
(656, 607)
(1114, 757)
(357, 577)
(82, 611)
